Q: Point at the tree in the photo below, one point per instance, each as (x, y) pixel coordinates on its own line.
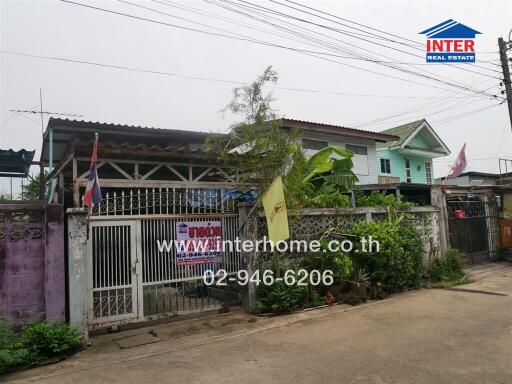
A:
(31, 189)
(257, 146)
(322, 180)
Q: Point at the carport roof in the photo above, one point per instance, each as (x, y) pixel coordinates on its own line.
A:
(67, 133)
(15, 163)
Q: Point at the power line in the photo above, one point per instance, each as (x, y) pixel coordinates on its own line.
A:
(464, 115)
(331, 15)
(415, 109)
(377, 62)
(308, 53)
(233, 82)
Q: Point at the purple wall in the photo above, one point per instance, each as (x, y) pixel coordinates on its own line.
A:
(31, 262)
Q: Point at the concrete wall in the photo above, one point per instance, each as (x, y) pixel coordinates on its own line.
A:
(32, 279)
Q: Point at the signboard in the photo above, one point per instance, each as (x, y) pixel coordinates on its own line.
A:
(198, 242)
(507, 206)
(450, 41)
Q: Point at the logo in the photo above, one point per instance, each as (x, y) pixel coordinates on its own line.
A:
(182, 228)
(451, 42)
(278, 208)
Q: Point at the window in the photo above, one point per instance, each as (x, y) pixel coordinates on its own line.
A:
(408, 170)
(314, 144)
(357, 149)
(428, 172)
(385, 166)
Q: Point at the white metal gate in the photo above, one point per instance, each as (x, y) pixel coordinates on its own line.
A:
(132, 280)
(112, 264)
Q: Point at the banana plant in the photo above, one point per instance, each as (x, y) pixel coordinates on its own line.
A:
(330, 170)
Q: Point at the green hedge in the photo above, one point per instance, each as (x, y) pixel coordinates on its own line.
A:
(36, 343)
(398, 264)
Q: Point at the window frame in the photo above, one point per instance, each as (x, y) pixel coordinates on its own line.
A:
(315, 145)
(428, 172)
(356, 149)
(385, 166)
(408, 174)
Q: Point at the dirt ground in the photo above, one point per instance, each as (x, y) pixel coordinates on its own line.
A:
(428, 336)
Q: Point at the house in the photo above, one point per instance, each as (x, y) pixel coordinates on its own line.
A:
(153, 182)
(409, 158)
(315, 136)
(472, 178)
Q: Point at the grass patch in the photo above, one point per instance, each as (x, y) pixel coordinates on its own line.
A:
(452, 283)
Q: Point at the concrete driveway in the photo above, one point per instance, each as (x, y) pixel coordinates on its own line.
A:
(429, 336)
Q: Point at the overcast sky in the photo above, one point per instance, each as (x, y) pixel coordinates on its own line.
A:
(59, 29)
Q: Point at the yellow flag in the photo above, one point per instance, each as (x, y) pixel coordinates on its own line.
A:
(275, 211)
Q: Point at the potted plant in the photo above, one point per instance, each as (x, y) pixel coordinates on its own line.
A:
(358, 287)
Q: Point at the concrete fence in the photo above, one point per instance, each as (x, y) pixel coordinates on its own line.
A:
(32, 276)
(310, 224)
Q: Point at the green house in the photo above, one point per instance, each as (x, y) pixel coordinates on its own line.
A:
(409, 159)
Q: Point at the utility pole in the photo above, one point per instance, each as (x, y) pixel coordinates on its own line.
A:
(506, 73)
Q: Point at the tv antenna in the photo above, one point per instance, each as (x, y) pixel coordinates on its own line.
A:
(42, 113)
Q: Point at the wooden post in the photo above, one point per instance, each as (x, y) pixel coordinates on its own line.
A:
(76, 185)
(41, 181)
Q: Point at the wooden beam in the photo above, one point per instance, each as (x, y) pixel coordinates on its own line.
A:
(225, 174)
(61, 166)
(86, 173)
(120, 170)
(151, 172)
(202, 174)
(171, 168)
(172, 163)
(124, 183)
(76, 186)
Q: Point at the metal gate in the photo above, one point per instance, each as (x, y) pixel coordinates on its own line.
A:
(473, 228)
(133, 280)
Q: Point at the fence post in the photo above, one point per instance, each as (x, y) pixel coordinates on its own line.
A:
(439, 201)
(248, 231)
(55, 278)
(77, 268)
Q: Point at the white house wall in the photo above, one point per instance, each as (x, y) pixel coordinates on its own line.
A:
(365, 167)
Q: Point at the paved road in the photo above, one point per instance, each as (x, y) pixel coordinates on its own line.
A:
(434, 336)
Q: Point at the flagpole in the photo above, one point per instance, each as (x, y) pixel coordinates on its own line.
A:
(254, 207)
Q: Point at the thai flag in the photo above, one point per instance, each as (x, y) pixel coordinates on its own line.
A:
(92, 194)
(459, 165)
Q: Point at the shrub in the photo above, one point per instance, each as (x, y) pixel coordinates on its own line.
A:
(447, 267)
(338, 262)
(7, 336)
(380, 199)
(282, 298)
(47, 339)
(36, 342)
(14, 357)
(329, 200)
(398, 263)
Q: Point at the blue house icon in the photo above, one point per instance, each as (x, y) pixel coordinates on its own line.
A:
(450, 29)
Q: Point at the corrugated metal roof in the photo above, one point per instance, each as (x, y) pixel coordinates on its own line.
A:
(311, 125)
(15, 163)
(122, 136)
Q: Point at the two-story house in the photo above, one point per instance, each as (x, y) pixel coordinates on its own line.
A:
(409, 158)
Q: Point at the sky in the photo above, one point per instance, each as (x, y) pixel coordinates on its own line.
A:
(319, 80)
